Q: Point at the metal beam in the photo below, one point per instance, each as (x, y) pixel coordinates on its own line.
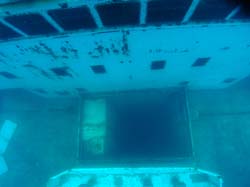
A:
(143, 11)
(95, 15)
(190, 11)
(52, 21)
(233, 12)
(7, 24)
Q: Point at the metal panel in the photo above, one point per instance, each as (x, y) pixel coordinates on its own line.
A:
(127, 56)
(137, 177)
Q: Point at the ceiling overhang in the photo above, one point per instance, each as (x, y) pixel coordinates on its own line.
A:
(63, 47)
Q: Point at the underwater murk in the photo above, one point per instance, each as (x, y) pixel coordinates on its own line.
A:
(122, 93)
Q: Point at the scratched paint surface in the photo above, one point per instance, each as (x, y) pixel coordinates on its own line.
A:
(63, 63)
(126, 177)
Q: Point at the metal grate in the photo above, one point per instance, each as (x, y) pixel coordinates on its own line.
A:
(73, 18)
(7, 33)
(118, 14)
(213, 10)
(161, 11)
(31, 24)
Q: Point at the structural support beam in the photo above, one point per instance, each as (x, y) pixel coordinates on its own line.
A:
(233, 12)
(7, 24)
(95, 15)
(52, 22)
(143, 12)
(190, 11)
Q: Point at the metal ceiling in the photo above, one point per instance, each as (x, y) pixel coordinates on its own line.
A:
(60, 47)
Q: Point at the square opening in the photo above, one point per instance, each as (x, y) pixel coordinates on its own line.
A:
(162, 11)
(98, 69)
(7, 33)
(73, 18)
(158, 65)
(31, 24)
(201, 62)
(135, 128)
(119, 14)
(61, 72)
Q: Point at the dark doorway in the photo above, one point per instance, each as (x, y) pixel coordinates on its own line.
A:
(148, 127)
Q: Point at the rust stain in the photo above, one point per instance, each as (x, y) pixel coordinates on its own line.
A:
(114, 49)
(125, 49)
(107, 50)
(68, 49)
(111, 46)
(64, 49)
(48, 50)
(98, 51)
(43, 49)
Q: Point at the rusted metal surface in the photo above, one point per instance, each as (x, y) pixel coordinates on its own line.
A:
(53, 63)
(115, 58)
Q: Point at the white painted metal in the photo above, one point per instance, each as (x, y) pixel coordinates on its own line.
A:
(180, 46)
(3, 166)
(143, 11)
(191, 10)
(134, 177)
(94, 126)
(95, 15)
(13, 28)
(8, 129)
(233, 13)
(6, 133)
(51, 21)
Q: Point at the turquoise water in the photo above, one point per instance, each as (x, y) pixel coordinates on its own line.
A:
(45, 142)
(173, 74)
